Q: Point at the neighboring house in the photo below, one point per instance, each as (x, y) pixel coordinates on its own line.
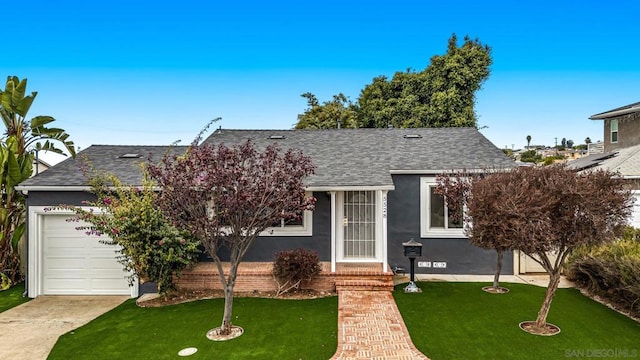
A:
(620, 150)
(39, 166)
(374, 191)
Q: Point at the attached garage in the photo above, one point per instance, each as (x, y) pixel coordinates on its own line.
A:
(66, 261)
(529, 266)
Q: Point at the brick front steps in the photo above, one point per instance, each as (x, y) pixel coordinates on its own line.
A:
(363, 285)
(256, 276)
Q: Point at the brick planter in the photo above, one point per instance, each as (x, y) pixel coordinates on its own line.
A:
(256, 276)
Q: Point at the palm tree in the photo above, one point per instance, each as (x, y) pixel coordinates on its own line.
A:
(16, 159)
(528, 141)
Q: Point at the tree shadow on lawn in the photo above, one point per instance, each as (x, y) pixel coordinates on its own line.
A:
(460, 321)
(273, 329)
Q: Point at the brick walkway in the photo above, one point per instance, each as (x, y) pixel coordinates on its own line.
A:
(370, 327)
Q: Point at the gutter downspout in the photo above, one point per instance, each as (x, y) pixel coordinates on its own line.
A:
(333, 231)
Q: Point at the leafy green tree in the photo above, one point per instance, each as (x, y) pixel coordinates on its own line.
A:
(149, 246)
(328, 114)
(32, 134)
(442, 95)
(20, 138)
(530, 156)
(14, 168)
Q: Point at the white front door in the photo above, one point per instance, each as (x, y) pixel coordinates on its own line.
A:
(359, 230)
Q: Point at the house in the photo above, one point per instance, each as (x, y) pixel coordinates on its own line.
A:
(620, 149)
(374, 191)
(39, 166)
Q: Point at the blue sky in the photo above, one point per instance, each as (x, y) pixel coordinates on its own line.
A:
(153, 72)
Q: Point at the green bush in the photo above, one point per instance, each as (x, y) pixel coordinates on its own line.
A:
(151, 248)
(611, 270)
(291, 268)
(530, 156)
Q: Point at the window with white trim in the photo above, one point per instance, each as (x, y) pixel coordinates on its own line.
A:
(436, 219)
(299, 226)
(614, 131)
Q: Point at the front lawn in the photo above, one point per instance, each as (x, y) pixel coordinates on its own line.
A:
(12, 297)
(460, 321)
(273, 329)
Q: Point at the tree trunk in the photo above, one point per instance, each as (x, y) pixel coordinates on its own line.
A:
(496, 277)
(228, 307)
(554, 281)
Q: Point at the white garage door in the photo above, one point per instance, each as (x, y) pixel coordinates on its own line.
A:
(74, 263)
(528, 265)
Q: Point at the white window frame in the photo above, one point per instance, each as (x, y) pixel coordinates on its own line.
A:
(426, 231)
(306, 229)
(617, 133)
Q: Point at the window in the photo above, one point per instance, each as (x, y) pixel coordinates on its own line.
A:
(298, 221)
(436, 219)
(300, 226)
(292, 227)
(614, 131)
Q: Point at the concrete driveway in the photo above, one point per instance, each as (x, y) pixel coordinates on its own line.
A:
(30, 331)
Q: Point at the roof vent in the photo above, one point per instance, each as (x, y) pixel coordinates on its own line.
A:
(412, 136)
(276, 137)
(130, 156)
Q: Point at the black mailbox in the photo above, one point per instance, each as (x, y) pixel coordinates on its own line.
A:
(412, 248)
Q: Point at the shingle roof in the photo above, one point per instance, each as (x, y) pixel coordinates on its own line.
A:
(344, 158)
(101, 157)
(626, 161)
(366, 157)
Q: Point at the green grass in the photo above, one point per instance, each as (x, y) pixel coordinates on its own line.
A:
(12, 297)
(273, 329)
(460, 321)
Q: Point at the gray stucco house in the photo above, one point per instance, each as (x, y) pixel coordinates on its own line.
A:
(621, 150)
(374, 191)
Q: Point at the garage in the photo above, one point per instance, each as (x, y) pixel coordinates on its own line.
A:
(527, 265)
(67, 261)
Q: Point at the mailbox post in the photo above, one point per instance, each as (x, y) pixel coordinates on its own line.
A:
(412, 250)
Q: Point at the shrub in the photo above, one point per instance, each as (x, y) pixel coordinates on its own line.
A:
(292, 268)
(530, 156)
(151, 248)
(611, 270)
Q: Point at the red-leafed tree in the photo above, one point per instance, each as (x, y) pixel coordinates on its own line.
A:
(226, 196)
(471, 196)
(546, 212)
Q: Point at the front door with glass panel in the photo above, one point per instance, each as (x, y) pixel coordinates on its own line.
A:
(359, 230)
